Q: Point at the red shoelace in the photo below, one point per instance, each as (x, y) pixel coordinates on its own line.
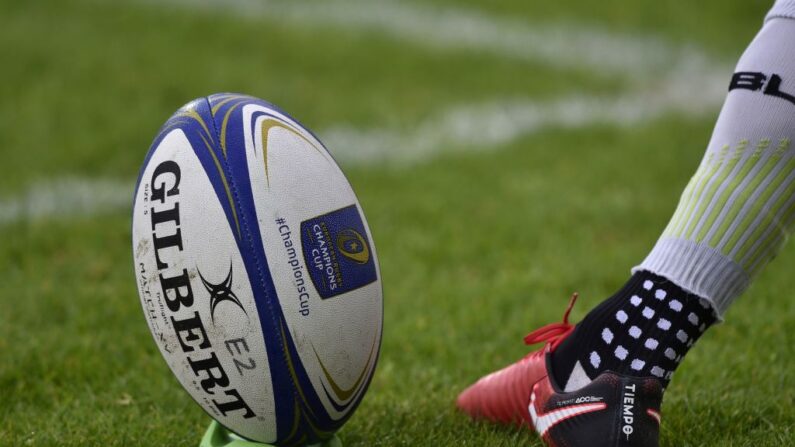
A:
(554, 333)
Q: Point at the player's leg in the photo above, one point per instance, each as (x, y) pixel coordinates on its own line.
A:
(732, 219)
(733, 216)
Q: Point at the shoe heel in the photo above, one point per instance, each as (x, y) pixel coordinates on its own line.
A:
(611, 411)
(638, 412)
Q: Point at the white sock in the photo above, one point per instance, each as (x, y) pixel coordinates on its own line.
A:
(739, 207)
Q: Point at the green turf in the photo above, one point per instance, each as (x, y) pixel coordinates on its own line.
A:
(476, 249)
(98, 79)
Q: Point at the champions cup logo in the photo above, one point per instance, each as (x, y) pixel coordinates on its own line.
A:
(337, 252)
(353, 246)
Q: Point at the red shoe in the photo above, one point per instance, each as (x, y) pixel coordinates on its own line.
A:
(612, 411)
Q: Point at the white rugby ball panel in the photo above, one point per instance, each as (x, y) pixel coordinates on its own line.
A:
(184, 247)
(285, 160)
(279, 265)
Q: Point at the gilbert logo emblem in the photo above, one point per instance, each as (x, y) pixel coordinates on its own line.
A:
(221, 292)
(353, 246)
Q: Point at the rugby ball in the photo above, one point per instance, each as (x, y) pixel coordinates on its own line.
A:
(256, 270)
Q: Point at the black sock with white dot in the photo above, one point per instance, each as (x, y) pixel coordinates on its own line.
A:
(643, 330)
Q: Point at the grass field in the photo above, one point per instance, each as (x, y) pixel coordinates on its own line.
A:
(482, 236)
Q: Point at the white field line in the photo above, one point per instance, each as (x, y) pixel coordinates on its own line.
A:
(482, 127)
(464, 128)
(557, 44)
(67, 197)
(665, 79)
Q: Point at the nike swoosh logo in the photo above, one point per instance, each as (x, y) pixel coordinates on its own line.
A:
(543, 422)
(654, 415)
